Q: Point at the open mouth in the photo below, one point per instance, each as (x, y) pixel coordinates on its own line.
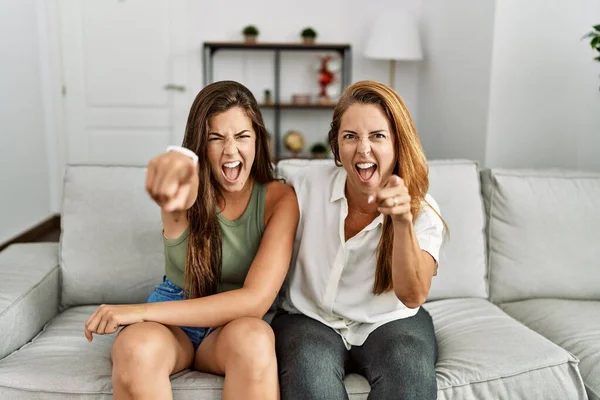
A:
(232, 170)
(366, 170)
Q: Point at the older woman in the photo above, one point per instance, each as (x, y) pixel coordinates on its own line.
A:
(366, 252)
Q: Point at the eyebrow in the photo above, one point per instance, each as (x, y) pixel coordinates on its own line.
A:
(221, 135)
(370, 133)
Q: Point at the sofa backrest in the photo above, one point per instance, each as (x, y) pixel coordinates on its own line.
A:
(455, 186)
(543, 233)
(111, 244)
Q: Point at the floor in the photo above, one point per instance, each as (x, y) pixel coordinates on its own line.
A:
(53, 236)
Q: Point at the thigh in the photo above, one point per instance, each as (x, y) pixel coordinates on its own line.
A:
(311, 358)
(153, 344)
(400, 357)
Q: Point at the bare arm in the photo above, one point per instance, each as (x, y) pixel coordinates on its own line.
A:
(412, 268)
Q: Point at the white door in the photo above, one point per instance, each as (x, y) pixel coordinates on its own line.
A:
(125, 64)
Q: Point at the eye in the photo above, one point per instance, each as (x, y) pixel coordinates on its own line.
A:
(380, 136)
(245, 136)
(213, 138)
(348, 136)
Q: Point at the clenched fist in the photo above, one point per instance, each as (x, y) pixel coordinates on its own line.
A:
(393, 199)
(172, 181)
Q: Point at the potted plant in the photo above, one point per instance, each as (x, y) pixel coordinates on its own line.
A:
(594, 37)
(250, 33)
(308, 35)
(267, 100)
(319, 150)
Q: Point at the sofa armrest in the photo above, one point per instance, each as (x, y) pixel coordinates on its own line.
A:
(29, 292)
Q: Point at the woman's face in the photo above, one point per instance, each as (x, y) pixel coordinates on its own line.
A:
(366, 146)
(231, 148)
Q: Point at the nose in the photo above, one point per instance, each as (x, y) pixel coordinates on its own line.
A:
(230, 147)
(364, 147)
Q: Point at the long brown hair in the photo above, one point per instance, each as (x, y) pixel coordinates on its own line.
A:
(411, 164)
(203, 257)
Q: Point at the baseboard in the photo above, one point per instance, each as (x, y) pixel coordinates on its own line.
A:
(35, 233)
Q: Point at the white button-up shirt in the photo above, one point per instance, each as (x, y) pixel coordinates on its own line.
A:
(331, 279)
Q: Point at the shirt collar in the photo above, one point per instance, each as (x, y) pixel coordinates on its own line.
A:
(339, 185)
(338, 192)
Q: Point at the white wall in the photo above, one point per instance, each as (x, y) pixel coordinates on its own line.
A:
(454, 78)
(544, 103)
(336, 21)
(24, 178)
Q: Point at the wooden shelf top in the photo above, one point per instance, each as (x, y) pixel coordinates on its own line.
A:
(297, 46)
(300, 106)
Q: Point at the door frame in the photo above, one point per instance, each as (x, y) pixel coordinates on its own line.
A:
(52, 83)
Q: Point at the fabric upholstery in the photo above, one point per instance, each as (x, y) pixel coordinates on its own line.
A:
(485, 354)
(572, 324)
(542, 234)
(111, 246)
(29, 292)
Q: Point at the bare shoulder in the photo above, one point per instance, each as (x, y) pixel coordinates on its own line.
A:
(280, 196)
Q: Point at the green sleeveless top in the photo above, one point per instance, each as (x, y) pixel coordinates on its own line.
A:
(240, 241)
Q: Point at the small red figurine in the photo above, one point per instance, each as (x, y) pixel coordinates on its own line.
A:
(326, 77)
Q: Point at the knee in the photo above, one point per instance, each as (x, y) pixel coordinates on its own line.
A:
(250, 343)
(416, 369)
(137, 351)
(312, 360)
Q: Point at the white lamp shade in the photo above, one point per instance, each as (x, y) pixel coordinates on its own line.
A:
(394, 36)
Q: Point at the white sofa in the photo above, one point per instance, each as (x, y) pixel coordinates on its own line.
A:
(516, 303)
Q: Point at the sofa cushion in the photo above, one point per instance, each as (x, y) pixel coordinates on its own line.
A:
(111, 244)
(455, 186)
(60, 364)
(485, 354)
(542, 234)
(29, 292)
(572, 324)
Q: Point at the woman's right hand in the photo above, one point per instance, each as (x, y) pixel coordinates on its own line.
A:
(172, 181)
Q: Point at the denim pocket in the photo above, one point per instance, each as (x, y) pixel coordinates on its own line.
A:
(168, 289)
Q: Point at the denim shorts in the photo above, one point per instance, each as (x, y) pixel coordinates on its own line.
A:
(168, 291)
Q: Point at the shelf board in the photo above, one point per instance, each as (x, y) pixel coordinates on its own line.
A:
(277, 46)
(300, 157)
(300, 106)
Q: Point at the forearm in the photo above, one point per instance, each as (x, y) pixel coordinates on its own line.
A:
(409, 275)
(209, 311)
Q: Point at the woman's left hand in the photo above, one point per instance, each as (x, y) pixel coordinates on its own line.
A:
(108, 318)
(393, 200)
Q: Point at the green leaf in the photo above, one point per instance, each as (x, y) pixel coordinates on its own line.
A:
(595, 41)
(597, 58)
(589, 35)
(597, 27)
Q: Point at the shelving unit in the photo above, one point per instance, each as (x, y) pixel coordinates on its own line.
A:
(344, 50)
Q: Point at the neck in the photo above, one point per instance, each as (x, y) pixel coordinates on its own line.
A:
(358, 201)
(241, 196)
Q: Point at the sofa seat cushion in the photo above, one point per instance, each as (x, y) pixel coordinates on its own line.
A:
(485, 354)
(571, 324)
(60, 364)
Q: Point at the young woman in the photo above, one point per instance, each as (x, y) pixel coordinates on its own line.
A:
(370, 238)
(228, 237)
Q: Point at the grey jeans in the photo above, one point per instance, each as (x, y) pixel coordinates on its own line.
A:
(398, 359)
